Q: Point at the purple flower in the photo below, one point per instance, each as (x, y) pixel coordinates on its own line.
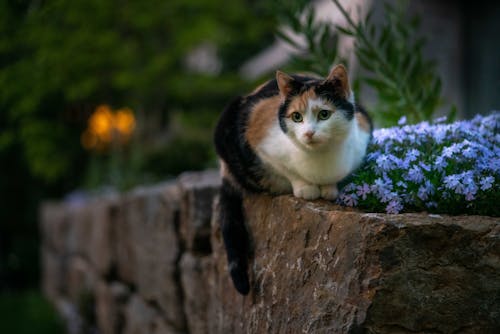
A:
(440, 134)
(382, 187)
(372, 156)
(402, 184)
(426, 190)
(402, 120)
(486, 182)
(427, 166)
(424, 166)
(394, 207)
(452, 182)
(412, 155)
(349, 199)
(449, 151)
(440, 163)
(431, 205)
(462, 184)
(363, 190)
(384, 163)
(415, 174)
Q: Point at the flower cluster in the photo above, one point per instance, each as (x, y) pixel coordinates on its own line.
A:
(447, 168)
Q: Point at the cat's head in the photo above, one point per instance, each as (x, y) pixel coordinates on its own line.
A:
(315, 113)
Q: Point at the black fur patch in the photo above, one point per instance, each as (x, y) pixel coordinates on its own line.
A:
(300, 84)
(231, 146)
(331, 91)
(282, 115)
(235, 235)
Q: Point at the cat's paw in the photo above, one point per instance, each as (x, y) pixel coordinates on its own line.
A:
(308, 192)
(329, 192)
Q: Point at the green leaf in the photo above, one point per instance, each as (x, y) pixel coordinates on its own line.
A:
(345, 31)
(284, 36)
(452, 114)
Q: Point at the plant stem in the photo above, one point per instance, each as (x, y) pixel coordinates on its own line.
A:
(385, 67)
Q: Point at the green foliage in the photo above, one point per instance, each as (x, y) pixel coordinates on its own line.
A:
(321, 40)
(28, 313)
(391, 52)
(59, 59)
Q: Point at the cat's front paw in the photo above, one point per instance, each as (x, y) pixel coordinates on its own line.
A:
(329, 192)
(308, 192)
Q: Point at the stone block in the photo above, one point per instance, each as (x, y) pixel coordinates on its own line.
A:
(53, 273)
(198, 191)
(100, 249)
(111, 300)
(195, 273)
(319, 268)
(79, 229)
(54, 226)
(141, 318)
(81, 279)
(151, 243)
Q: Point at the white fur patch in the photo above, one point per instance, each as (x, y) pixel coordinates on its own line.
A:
(337, 148)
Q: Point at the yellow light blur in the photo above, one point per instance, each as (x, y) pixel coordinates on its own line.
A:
(124, 121)
(106, 126)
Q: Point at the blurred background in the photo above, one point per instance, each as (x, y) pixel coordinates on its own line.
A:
(103, 95)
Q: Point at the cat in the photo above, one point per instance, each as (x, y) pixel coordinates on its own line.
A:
(297, 134)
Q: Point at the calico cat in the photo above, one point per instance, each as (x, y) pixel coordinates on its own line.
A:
(294, 134)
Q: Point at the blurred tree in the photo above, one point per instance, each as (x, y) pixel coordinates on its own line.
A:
(60, 59)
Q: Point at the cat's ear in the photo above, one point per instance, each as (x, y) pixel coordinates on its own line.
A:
(285, 83)
(338, 77)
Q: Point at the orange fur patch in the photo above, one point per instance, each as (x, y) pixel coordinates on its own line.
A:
(299, 103)
(363, 122)
(264, 113)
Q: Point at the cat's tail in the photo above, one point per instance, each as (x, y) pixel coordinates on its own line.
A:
(235, 235)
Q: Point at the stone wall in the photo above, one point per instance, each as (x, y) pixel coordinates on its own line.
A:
(152, 261)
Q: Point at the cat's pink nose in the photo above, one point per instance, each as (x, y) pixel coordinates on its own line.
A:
(309, 134)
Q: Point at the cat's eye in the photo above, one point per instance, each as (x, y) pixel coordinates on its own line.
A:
(297, 117)
(324, 114)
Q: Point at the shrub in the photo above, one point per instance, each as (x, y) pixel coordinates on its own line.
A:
(442, 168)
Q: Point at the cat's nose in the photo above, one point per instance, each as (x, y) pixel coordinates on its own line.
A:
(309, 134)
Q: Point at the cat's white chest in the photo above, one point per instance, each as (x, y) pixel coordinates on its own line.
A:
(320, 167)
(324, 167)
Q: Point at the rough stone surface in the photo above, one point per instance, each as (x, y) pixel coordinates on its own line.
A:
(53, 273)
(79, 229)
(80, 280)
(151, 217)
(198, 191)
(54, 225)
(149, 261)
(141, 318)
(321, 269)
(110, 306)
(195, 271)
(101, 240)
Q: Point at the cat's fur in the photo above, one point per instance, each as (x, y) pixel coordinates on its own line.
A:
(293, 134)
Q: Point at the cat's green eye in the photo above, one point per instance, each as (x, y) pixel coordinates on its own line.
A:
(297, 117)
(324, 114)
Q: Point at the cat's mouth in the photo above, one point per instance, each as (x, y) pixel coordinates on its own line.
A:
(313, 142)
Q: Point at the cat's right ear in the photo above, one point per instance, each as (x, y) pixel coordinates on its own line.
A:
(338, 76)
(285, 83)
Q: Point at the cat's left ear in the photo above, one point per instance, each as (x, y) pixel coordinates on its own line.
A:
(338, 77)
(285, 83)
